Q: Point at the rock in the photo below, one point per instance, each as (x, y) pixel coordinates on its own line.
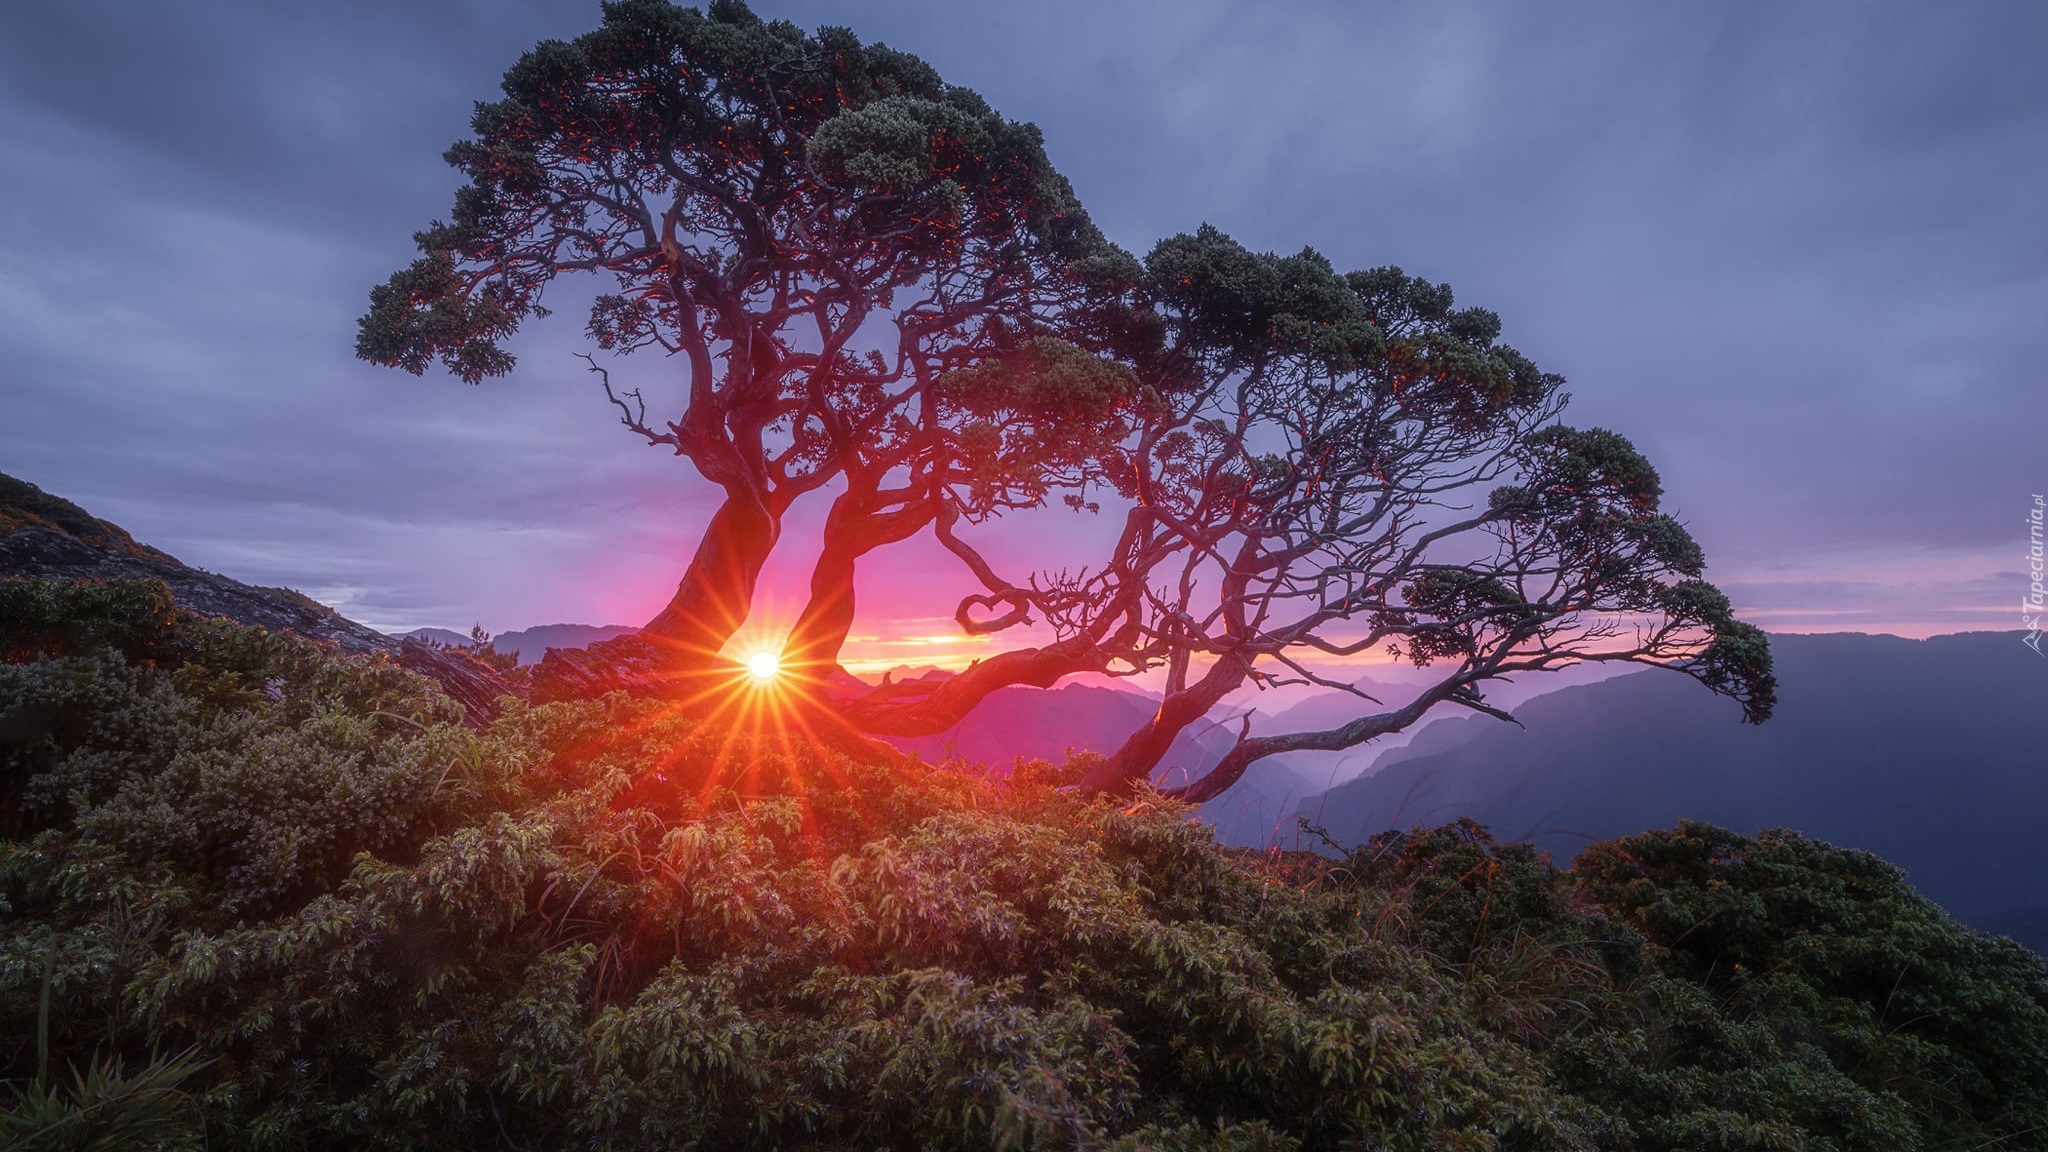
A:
(48, 548)
(472, 683)
(23, 505)
(627, 664)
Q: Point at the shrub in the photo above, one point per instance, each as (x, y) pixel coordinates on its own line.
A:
(59, 617)
(600, 925)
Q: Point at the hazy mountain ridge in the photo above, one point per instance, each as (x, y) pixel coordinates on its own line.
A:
(1260, 809)
(1929, 753)
(530, 644)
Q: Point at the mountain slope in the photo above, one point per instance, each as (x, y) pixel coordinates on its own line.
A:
(23, 505)
(1928, 752)
(44, 536)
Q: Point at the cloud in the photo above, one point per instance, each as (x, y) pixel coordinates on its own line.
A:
(1795, 252)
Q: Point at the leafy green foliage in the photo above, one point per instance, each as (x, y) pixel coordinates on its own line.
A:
(58, 617)
(1823, 956)
(107, 1108)
(1043, 414)
(599, 924)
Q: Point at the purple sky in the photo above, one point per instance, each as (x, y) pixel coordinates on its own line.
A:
(1799, 253)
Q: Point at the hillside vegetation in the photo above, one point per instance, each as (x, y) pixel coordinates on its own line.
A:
(254, 894)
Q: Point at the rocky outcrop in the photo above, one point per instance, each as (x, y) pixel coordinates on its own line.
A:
(40, 552)
(628, 664)
(474, 684)
(23, 505)
(44, 536)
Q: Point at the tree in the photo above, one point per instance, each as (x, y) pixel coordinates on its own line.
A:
(814, 230)
(869, 278)
(1337, 463)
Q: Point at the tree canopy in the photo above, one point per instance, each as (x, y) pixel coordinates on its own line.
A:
(1337, 463)
(866, 277)
(813, 230)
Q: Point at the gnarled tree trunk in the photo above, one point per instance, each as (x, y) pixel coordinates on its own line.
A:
(1141, 752)
(717, 590)
(676, 655)
(853, 528)
(930, 710)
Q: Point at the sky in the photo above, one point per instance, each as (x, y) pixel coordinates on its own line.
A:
(1798, 253)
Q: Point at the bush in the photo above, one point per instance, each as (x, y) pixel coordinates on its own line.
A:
(58, 617)
(601, 925)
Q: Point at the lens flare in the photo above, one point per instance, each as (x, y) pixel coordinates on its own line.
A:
(763, 666)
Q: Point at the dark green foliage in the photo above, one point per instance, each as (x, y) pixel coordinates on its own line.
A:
(61, 618)
(601, 925)
(107, 1108)
(807, 162)
(1043, 414)
(1236, 299)
(1826, 957)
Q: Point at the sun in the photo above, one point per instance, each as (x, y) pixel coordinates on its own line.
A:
(763, 666)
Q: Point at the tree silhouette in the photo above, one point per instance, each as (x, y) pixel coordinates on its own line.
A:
(812, 229)
(1365, 467)
(868, 278)
(1334, 464)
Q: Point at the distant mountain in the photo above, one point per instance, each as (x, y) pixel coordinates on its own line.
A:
(906, 672)
(1331, 708)
(1260, 808)
(438, 636)
(1930, 753)
(531, 644)
(1049, 723)
(1034, 723)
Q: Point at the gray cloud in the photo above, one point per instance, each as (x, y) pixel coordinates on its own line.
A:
(1795, 251)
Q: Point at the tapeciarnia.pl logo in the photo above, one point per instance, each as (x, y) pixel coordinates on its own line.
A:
(2037, 598)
